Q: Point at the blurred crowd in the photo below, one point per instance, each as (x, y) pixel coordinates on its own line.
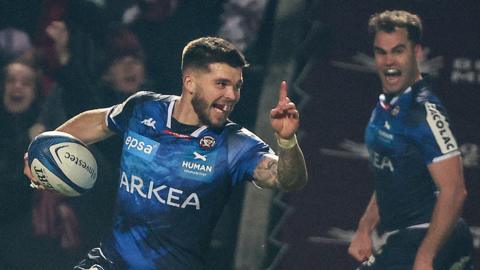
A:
(59, 58)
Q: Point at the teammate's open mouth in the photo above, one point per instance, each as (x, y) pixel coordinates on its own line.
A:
(392, 72)
(392, 75)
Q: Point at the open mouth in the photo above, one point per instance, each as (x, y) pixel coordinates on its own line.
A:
(16, 98)
(392, 72)
(223, 108)
(392, 75)
(131, 79)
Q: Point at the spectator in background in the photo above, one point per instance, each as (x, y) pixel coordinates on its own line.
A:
(164, 27)
(14, 44)
(19, 109)
(80, 88)
(18, 112)
(241, 21)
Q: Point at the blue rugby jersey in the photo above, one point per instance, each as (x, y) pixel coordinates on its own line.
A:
(173, 187)
(403, 137)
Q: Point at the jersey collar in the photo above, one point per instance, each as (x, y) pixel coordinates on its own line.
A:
(194, 134)
(388, 104)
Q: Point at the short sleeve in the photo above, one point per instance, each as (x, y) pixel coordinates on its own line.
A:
(246, 150)
(433, 135)
(119, 115)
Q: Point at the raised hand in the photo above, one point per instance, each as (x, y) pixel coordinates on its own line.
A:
(284, 118)
(58, 32)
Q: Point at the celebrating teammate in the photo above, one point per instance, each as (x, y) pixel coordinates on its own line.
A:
(181, 159)
(419, 185)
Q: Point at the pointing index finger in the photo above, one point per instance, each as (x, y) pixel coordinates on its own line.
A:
(283, 92)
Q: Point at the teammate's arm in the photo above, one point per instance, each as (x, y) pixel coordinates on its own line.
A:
(287, 171)
(361, 247)
(448, 176)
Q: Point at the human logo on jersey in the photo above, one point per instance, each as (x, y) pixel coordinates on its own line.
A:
(199, 166)
(200, 156)
(440, 129)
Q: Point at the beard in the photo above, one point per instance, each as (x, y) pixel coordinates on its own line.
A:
(201, 108)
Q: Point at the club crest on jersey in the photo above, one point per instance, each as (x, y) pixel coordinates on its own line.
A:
(207, 142)
(395, 111)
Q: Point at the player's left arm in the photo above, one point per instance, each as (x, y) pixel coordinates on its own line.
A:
(287, 171)
(448, 176)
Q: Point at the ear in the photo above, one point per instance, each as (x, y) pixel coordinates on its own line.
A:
(189, 82)
(418, 52)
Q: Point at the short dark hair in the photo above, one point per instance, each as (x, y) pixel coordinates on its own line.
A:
(389, 20)
(201, 52)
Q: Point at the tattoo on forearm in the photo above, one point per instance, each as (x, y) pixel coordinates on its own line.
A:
(266, 171)
(286, 171)
(291, 168)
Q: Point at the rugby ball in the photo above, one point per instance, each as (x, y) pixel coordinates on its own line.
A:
(62, 163)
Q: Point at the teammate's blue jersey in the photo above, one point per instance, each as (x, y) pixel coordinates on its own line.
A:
(173, 186)
(403, 136)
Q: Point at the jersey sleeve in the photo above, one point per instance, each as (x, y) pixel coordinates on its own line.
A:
(119, 114)
(246, 150)
(433, 135)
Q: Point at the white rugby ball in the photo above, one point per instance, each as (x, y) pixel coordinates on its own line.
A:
(62, 163)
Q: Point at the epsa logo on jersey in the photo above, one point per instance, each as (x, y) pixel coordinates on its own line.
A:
(140, 146)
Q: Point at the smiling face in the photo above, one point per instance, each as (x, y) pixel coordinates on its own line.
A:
(19, 88)
(214, 92)
(396, 60)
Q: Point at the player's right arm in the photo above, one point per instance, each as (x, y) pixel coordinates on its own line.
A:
(89, 126)
(48, 217)
(361, 246)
